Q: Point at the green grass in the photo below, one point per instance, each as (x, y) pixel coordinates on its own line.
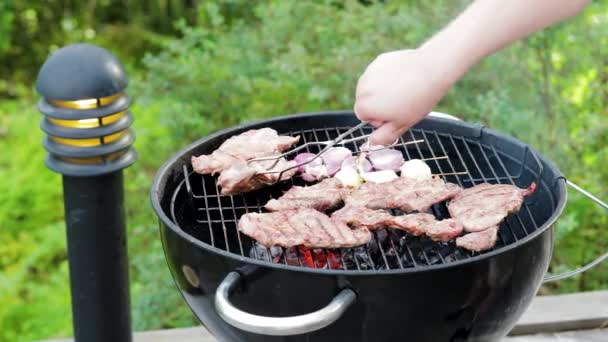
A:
(34, 288)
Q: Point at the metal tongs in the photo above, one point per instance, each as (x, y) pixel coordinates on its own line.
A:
(339, 140)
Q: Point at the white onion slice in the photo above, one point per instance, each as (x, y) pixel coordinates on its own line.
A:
(303, 158)
(416, 169)
(380, 176)
(387, 159)
(334, 157)
(351, 163)
(349, 177)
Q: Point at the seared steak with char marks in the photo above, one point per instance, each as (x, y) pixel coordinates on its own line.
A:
(301, 227)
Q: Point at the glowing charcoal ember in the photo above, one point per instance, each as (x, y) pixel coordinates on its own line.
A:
(333, 258)
(306, 257)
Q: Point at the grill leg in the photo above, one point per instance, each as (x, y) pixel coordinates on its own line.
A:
(97, 253)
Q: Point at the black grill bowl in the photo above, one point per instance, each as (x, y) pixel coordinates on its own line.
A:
(458, 296)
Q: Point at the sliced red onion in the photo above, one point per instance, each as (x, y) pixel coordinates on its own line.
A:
(303, 158)
(308, 178)
(316, 169)
(334, 157)
(387, 159)
(351, 163)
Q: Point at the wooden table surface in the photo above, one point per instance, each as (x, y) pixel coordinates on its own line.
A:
(578, 317)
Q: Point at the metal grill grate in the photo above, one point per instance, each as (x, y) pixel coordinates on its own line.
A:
(198, 208)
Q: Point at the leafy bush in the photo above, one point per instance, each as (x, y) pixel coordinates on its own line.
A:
(34, 283)
(306, 56)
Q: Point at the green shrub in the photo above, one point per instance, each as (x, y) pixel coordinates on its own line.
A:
(306, 56)
(34, 283)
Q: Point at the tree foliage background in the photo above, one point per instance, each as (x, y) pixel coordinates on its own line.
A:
(199, 66)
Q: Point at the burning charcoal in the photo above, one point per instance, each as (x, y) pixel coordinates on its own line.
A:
(258, 251)
(307, 260)
(277, 253)
(347, 257)
(395, 235)
(403, 244)
(434, 259)
(382, 236)
(320, 258)
(392, 257)
(333, 259)
(291, 256)
(450, 257)
(364, 261)
(378, 260)
(372, 245)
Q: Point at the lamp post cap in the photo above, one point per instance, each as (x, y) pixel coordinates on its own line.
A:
(81, 71)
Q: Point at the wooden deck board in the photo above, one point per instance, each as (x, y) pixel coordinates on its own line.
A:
(583, 310)
(596, 335)
(200, 334)
(584, 314)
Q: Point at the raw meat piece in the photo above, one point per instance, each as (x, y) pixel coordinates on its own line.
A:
(251, 144)
(244, 177)
(479, 241)
(327, 194)
(444, 230)
(415, 224)
(486, 205)
(403, 193)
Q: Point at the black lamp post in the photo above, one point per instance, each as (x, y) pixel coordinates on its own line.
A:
(86, 119)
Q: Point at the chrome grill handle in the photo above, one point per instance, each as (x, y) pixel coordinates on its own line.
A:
(278, 326)
(593, 263)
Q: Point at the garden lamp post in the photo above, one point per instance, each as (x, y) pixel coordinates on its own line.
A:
(86, 119)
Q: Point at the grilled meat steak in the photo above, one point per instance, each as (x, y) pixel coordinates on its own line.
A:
(364, 217)
(444, 230)
(415, 224)
(403, 193)
(479, 241)
(230, 160)
(373, 219)
(243, 177)
(485, 205)
(301, 227)
(327, 194)
(251, 144)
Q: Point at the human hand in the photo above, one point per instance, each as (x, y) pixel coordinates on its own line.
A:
(398, 89)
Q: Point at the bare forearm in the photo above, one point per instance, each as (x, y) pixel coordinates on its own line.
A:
(487, 26)
(399, 88)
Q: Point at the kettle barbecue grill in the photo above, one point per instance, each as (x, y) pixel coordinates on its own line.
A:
(395, 288)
